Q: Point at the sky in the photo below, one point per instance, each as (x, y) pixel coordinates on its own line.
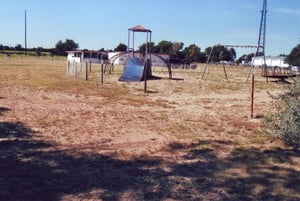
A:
(96, 24)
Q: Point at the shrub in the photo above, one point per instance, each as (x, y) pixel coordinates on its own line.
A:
(285, 122)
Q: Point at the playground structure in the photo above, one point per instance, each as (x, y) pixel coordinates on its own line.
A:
(120, 58)
(138, 66)
(268, 70)
(207, 65)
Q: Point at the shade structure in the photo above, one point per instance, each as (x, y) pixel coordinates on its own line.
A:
(139, 28)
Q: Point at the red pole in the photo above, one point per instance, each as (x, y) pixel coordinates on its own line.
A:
(252, 96)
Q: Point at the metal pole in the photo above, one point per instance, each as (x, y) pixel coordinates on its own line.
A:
(68, 68)
(207, 62)
(133, 44)
(25, 33)
(101, 70)
(86, 71)
(146, 64)
(128, 44)
(252, 97)
(225, 71)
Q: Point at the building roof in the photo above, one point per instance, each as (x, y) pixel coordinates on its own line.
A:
(139, 28)
(86, 51)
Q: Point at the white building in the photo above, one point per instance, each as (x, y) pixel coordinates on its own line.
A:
(83, 56)
(271, 61)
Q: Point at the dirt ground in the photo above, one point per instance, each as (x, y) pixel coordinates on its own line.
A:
(187, 139)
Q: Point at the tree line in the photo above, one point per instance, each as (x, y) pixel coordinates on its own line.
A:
(180, 54)
(177, 51)
(59, 49)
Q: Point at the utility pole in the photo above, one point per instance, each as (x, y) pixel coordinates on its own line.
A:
(25, 33)
(262, 31)
(260, 50)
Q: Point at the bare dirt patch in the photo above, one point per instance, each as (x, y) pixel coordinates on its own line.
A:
(69, 139)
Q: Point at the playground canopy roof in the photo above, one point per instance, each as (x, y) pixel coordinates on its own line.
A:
(139, 28)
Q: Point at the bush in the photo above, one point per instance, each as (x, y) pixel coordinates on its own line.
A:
(285, 122)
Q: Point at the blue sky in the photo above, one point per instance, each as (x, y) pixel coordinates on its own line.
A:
(96, 24)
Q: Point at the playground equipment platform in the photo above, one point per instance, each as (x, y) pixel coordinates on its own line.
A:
(277, 73)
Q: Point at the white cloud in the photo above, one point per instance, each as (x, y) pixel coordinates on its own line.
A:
(288, 11)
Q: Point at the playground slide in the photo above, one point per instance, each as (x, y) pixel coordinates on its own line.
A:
(133, 70)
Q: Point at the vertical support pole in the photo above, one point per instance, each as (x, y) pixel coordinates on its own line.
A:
(224, 71)
(133, 44)
(75, 67)
(145, 82)
(86, 71)
(68, 68)
(128, 44)
(252, 97)
(25, 33)
(146, 65)
(207, 62)
(90, 70)
(102, 71)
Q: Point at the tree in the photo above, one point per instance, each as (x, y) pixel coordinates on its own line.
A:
(177, 46)
(62, 47)
(232, 54)
(294, 57)
(192, 53)
(176, 51)
(164, 47)
(18, 47)
(39, 51)
(121, 48)
(221, 53)
(245, 58)
(151, 46)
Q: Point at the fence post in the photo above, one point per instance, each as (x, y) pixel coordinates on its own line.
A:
(75, 66)
(68, 68)
(86, 71)
(101, 71)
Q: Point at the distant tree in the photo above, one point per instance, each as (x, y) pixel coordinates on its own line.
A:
(62, 47)
(246, 58)
(177, 52)
(294, 57)
(151, 46)
(164, 47)
(202, 57)
(192, 53)
(121, 48)
(232, 54)
(39, 51)
(18, 47)
(220, 53)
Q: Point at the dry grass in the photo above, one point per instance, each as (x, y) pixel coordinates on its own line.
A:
(64, 138)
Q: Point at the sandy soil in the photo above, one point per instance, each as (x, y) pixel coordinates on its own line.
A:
(165, 141)
(172, 110)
